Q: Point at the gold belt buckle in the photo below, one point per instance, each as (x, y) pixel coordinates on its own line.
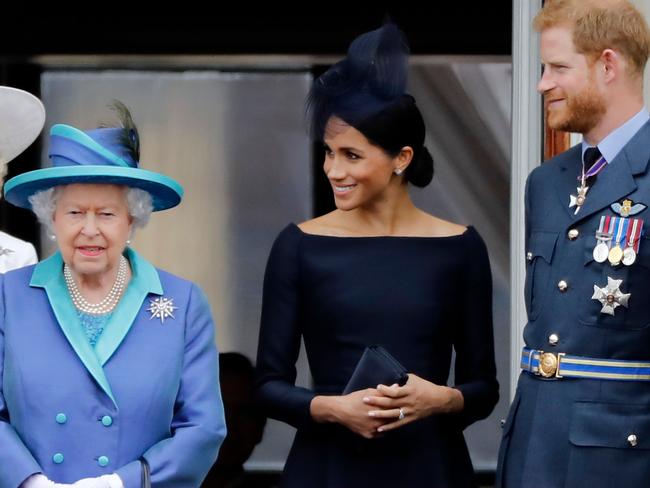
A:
(549, 364)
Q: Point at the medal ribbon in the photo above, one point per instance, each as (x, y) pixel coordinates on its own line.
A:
(629, 236)
(621, 228)
(610, 222)
(594, 169)
(637, 231)
(597, 167)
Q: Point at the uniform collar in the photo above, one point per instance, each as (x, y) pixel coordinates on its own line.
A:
(616, 140)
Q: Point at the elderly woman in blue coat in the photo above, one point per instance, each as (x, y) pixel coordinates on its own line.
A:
(108, 367)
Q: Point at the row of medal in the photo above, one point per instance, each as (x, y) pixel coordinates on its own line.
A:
(618, 240)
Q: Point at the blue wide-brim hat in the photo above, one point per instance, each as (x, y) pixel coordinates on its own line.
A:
(95, 156)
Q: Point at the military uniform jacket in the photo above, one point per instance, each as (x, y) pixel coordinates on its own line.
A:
(148, 389)
(576, 432)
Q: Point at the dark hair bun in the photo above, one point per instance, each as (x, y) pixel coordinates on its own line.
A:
(420, 172)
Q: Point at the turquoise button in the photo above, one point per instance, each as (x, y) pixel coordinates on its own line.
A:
(61, 418)
(107, 420)
(57, 458)
(102, 461)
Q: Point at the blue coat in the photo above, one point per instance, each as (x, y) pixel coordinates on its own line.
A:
(574, 432)
(149, 388)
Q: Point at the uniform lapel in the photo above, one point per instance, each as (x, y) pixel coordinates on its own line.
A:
(617, 179)
(612, 184)
(569, 167)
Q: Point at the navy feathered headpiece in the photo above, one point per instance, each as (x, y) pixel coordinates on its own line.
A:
(371, 77)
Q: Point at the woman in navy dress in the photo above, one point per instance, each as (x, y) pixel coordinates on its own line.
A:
(377, 270)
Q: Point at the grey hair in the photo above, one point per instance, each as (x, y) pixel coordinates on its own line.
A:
(44, 202)
(140, 205)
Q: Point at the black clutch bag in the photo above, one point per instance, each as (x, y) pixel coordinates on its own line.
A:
(376, 367)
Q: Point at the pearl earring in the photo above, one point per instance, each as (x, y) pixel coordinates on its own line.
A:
(398, 171)
(52, 237)
(128, 242)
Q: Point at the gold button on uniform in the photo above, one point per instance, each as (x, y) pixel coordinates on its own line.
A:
(632, 440)
(553, 339)
(562, 285)
(573, 234)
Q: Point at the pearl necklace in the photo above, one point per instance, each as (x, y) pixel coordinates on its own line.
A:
(109, 302)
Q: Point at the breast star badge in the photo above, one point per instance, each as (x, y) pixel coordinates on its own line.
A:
(611, 296)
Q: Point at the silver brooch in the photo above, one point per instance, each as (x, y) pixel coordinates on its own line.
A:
(161, 308)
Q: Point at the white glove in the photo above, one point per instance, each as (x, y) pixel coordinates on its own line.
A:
(41, 481)
(106, 481)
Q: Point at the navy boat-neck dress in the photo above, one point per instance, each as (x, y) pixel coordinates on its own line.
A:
(420, 298)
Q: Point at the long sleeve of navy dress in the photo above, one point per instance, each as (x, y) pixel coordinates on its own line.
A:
(420, 298)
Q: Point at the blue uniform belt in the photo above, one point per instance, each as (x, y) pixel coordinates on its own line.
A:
(561, 365)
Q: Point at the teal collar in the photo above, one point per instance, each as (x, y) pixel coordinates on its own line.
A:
(48, 274)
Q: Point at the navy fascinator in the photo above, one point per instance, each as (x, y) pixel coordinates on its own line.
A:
(372, 76)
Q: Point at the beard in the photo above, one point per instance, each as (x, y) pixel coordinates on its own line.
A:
(581, 113)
